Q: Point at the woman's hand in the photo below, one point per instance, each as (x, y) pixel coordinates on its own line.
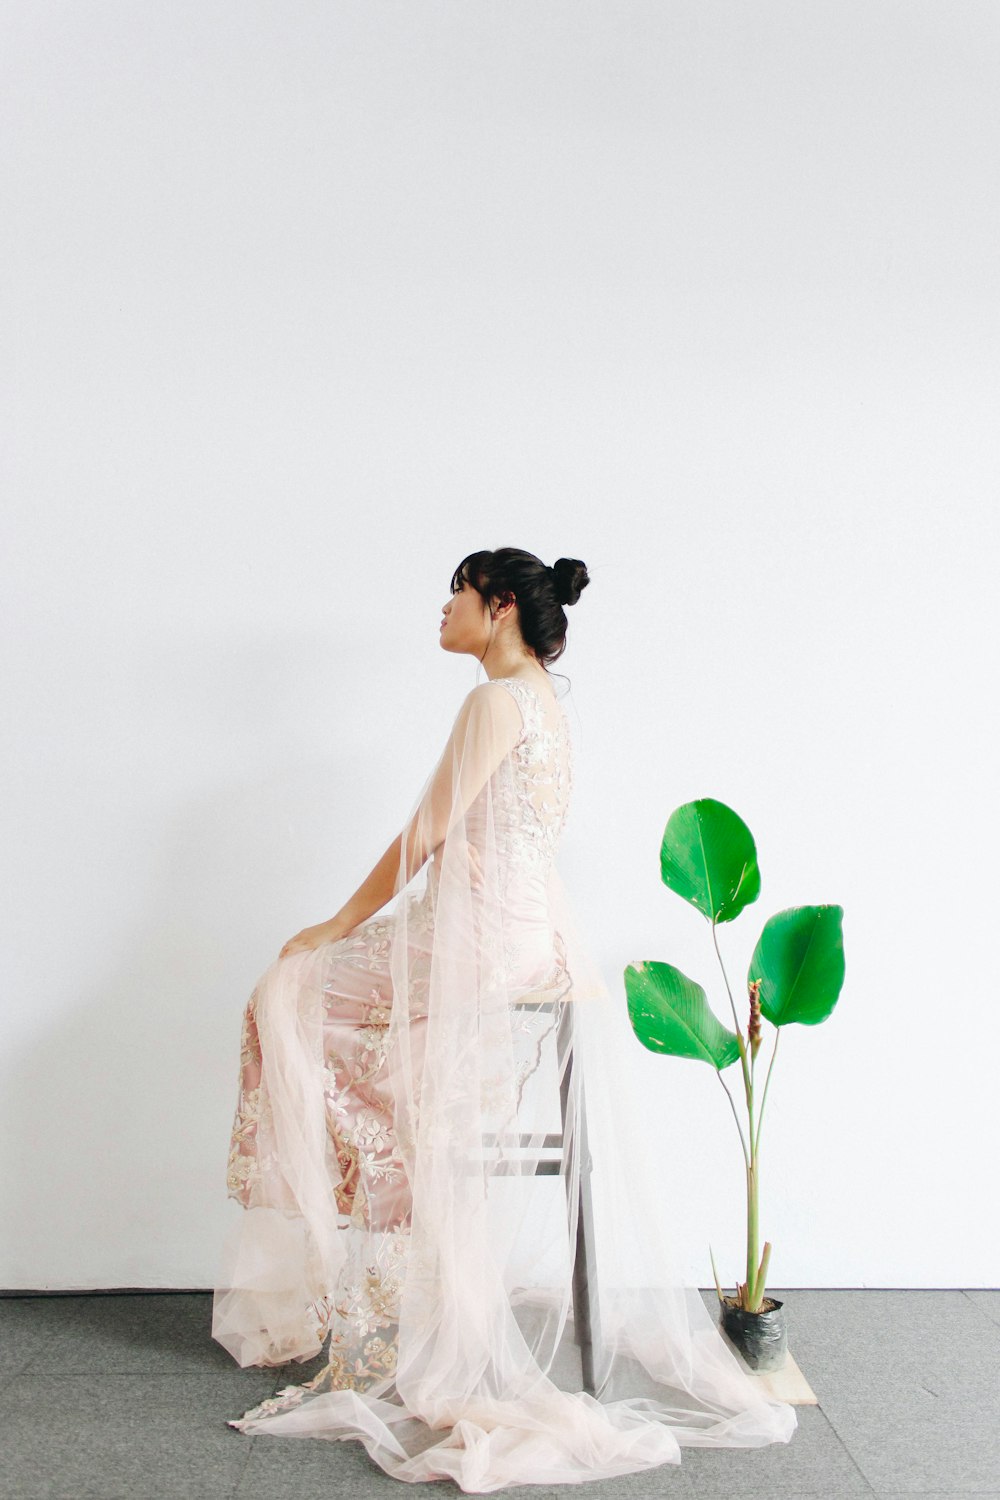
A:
(313, 937)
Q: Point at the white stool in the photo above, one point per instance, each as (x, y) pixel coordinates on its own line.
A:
(586, 1310)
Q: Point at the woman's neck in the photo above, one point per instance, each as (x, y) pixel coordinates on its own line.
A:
(518, 666)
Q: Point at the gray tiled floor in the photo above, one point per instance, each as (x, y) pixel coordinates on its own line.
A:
(125, 1397)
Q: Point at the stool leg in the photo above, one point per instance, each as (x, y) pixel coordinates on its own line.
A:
(585, 1268)
(586, 1310)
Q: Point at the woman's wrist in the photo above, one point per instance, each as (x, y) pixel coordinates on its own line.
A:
(337, 928)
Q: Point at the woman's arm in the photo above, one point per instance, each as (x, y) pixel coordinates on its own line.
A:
(380, 885)
(486, 729)
(370, 896)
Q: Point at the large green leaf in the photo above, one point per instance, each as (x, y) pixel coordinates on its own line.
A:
(669, 1013)
(708, 856)
(799, 960)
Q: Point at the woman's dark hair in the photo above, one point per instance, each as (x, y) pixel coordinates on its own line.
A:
(540, 592)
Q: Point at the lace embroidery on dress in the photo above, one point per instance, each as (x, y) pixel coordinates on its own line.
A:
(532, 788)
(246, 1167)
(364, 1345)
(531, 791)
(530, 794)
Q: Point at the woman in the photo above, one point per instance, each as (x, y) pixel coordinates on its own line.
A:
(421, 1182)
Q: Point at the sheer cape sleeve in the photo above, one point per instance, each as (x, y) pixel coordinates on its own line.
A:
(529, 1322)
(484, 733)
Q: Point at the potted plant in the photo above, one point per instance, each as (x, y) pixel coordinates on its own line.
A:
(708, 856)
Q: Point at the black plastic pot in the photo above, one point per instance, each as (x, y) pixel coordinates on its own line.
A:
(760, 1337)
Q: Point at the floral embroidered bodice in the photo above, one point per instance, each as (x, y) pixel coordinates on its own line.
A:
(532, 789)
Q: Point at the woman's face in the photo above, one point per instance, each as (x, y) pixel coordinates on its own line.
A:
(466, 623)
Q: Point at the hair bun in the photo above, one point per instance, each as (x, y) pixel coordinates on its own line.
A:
(571, 578)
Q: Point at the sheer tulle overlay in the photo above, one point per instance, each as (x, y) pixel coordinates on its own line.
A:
(442, 1167)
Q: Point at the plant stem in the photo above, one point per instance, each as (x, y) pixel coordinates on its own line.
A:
(767, 1080)
(739, 1127)
(752, 1233)
(752, 1206)
(732, 1007)
(749, 1156)
(762, 1273)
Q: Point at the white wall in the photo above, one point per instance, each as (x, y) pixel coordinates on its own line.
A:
(303, 302)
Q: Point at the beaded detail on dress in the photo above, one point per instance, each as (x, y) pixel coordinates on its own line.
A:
(533, 786)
